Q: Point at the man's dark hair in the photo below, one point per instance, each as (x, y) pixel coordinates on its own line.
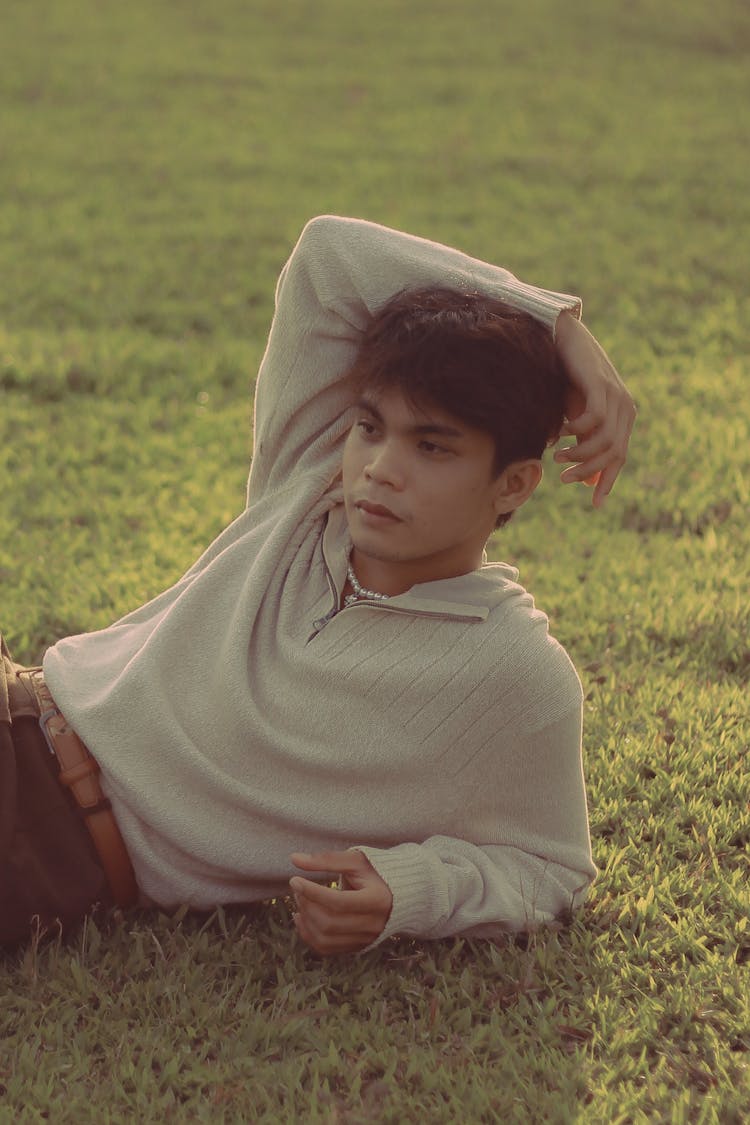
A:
(474, 357)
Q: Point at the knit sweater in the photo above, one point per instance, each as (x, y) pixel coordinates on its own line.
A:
(239, 716)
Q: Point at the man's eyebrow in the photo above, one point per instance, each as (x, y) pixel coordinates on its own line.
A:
(421, 428)
(370, 407)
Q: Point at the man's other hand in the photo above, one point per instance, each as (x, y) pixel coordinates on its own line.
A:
(599, 410)
(333, 920)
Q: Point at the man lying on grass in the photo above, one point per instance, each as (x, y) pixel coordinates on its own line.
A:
(341, 685)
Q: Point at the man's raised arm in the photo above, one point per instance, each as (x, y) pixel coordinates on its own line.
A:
(340, 272)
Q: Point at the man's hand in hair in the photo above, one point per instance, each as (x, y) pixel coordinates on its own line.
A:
(599, 410)
(332, 920)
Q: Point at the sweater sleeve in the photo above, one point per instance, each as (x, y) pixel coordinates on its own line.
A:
(448, 886)
(539, 873)
(340, 272)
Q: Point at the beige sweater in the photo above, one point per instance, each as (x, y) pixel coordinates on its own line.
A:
(237, 718)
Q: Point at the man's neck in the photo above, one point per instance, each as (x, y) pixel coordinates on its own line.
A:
(393, 578)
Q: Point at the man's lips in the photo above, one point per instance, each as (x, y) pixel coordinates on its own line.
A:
(375, 510)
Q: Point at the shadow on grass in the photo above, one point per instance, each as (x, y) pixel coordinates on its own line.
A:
(455, 1029)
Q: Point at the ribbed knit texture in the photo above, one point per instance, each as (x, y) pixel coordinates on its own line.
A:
(439, 732)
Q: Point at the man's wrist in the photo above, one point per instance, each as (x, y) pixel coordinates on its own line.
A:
(567, 324)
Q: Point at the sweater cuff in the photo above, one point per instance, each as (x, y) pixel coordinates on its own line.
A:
(405, 869)
(544, 305)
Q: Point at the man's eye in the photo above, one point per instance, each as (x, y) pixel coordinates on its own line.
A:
(366, 428)
(430, 447)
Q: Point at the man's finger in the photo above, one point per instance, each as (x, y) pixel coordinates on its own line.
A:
(604, 484)
(589, 445)
(592, 418)
(322, 927)
(320, 921)
(336, 943)
(329, 897)
(590, 467)
(337, 863)
(618, 455)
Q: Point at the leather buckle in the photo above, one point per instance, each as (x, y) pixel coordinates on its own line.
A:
(44, 719)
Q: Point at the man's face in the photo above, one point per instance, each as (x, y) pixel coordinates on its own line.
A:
(419, 492)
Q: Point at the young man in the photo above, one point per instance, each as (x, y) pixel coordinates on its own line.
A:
(339, 686)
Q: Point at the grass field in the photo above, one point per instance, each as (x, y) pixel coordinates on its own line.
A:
(157, 161)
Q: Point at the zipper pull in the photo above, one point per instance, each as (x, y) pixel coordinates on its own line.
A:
(321, 623)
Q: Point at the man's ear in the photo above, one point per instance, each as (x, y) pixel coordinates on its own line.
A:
(515, 485)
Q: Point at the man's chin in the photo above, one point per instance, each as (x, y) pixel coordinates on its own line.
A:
(367, 549)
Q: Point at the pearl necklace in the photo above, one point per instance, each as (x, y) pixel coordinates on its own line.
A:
(359, 591)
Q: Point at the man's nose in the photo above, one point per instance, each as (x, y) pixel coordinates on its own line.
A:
(385, 466)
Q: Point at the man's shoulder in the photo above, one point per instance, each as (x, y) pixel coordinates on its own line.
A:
(521, 650)
(499, 652)
(491, 595)
(499, 598)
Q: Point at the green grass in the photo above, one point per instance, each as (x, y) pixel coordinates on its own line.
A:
(157, 161)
